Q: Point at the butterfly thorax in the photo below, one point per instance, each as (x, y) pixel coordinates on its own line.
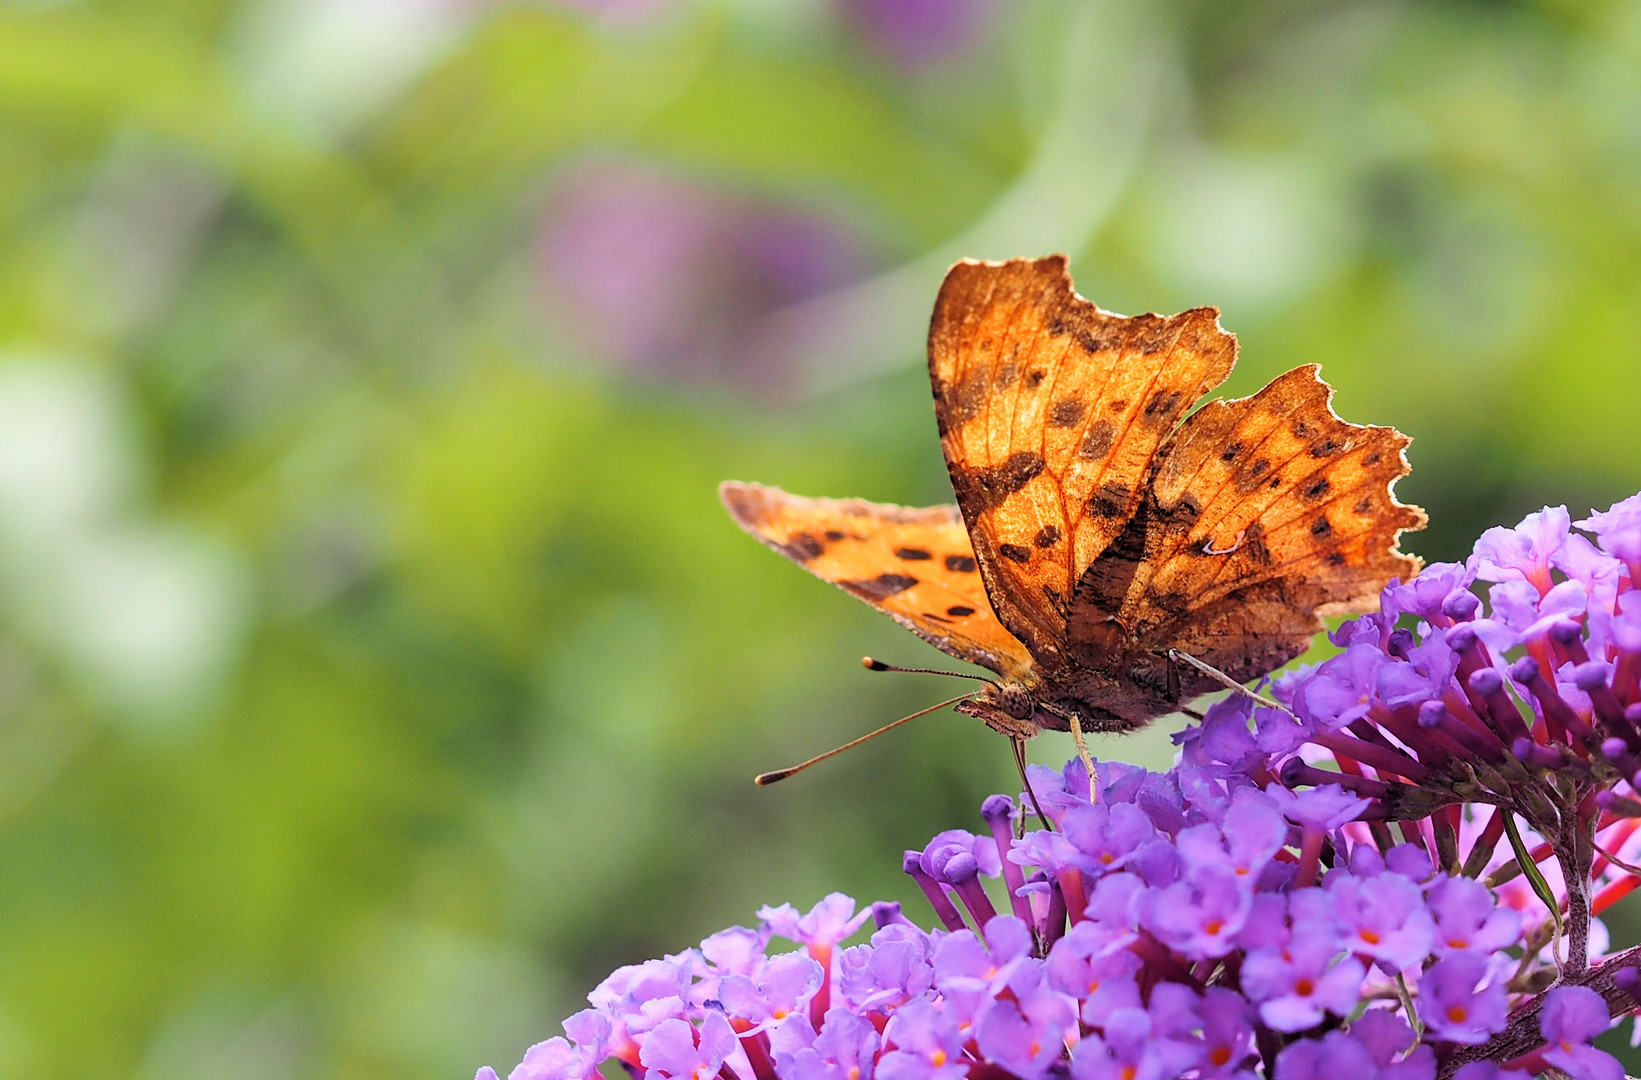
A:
(1115, 689)
(1122, 693)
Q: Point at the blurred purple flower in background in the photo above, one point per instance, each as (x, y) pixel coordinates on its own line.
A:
(915, 34)
(616, 13)
(674, 279)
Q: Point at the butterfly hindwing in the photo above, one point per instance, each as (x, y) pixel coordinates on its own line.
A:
(1050, 412)
(1264, 513)
(915, 565)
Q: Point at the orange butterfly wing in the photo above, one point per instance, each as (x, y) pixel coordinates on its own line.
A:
(1265, 513)
(1050, 412)
(914, 565)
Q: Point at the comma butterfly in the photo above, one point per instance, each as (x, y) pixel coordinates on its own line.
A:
(1101, 533)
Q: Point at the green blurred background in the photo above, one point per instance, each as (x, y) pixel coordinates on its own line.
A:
(377, 668)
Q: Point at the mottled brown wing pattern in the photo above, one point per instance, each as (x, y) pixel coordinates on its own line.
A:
(1050, 412)
(915, 565)
(1265, 513)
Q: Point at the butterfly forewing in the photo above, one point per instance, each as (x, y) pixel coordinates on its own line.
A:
(1050, 412)
(915, 565)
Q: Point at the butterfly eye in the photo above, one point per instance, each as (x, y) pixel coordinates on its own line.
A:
(1017, 701)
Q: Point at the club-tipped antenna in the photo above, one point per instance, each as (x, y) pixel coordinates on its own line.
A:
(870, 664)
(765, 779)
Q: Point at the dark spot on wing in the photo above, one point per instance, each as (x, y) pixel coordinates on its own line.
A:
(1276, 482)
(960, 564)
(1184, 514)
(1364, 505)
(1101, 589)
(987, 488)
(1047, 536)
(1336, 558)
(932, 617)
(1371, 460)
(959, 611)
(1109, 500)
(1252, 476)
(1315, 490)
(834, 535)
(1006, 376)
(1014, 552)
(1035, 379)
(881, 587)
(1320, 527)
(1254, 546)
(1118, 405)
(1326, 447)
(1066, 412)
(1091, 342)
(1097, 440)
(801, 547)
(1230, 452)
(1302, 430)
(961, 400)
(1159, 409)
(911, 554)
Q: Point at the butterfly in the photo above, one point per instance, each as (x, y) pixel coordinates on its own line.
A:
(1104, 531)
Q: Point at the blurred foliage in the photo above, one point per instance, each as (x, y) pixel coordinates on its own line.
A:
(377, 669)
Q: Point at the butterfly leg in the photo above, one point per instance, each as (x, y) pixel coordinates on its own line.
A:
(1175, 656)
(1075, 722)
(1088, 761)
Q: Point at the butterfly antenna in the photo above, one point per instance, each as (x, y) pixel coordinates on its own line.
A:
(765, 779)
(878, 665)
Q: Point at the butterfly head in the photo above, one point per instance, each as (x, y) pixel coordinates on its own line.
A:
(1005, 707)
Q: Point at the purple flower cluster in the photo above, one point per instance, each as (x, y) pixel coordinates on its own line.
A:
(1186, 925)
(1314, 891)
(1454, 714)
